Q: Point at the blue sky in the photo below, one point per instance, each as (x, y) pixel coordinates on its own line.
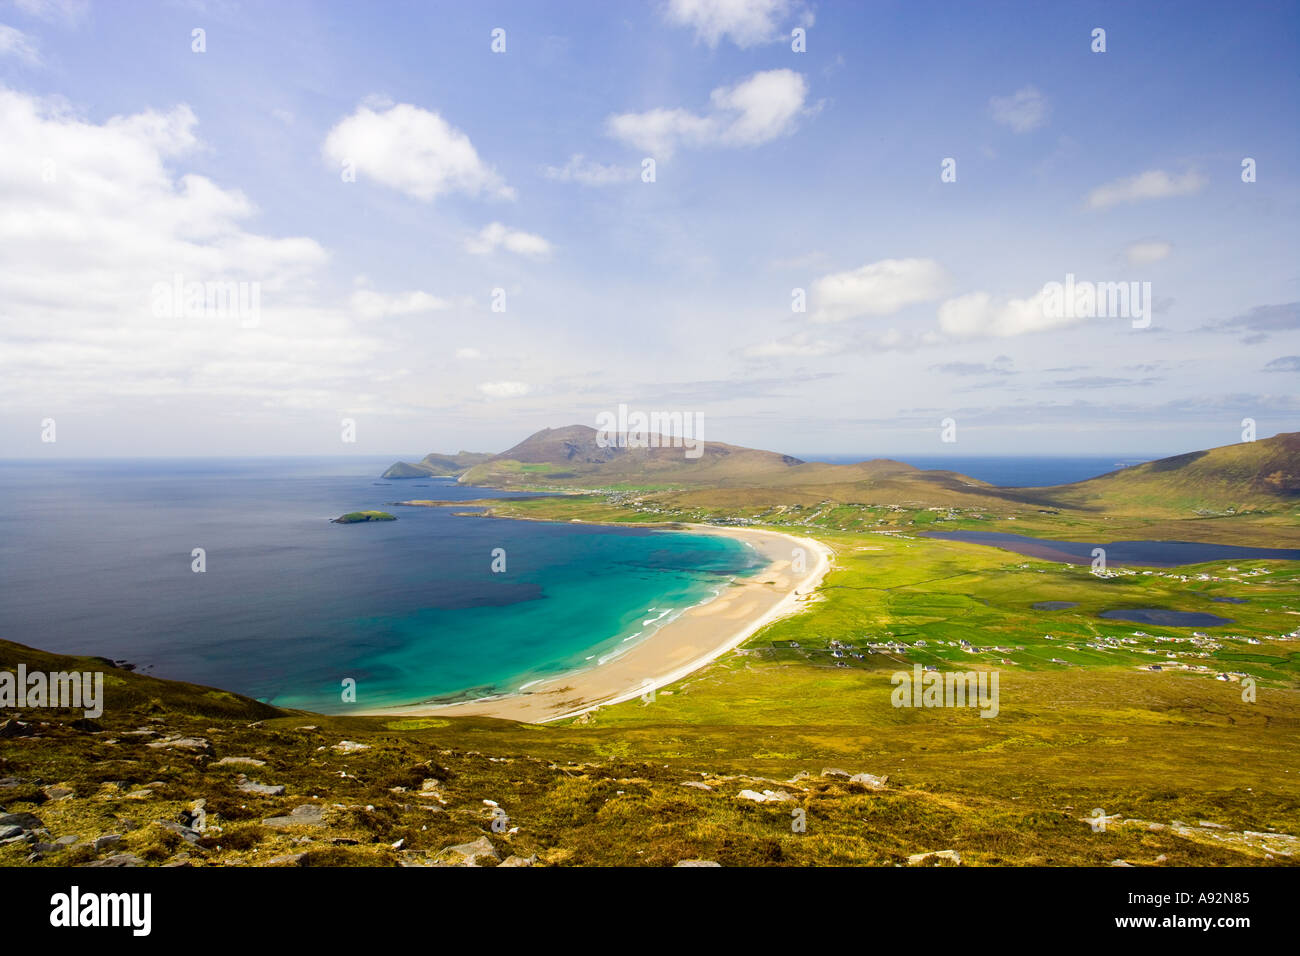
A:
(129, 158)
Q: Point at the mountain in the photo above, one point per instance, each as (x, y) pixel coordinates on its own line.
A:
(1256, 475)
(437, 466)
(1248, 475)
(560, 454)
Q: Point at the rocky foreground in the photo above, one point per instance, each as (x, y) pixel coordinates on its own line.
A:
(174, 774)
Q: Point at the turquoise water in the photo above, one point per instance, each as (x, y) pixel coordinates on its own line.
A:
(95, 558)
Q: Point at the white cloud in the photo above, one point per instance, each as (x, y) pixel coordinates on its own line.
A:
(505, 389)
(1145, 253)
(978, 314)
(375, 305)
(412, 150)
(468, 354)
(96, 220)
(1023, 110)
(68, 12)
(878, 288)
(799, 345)
(496, 236)
(15, 43)
(1153, 184)
(581, 170)
(757, 110)
(746, 23)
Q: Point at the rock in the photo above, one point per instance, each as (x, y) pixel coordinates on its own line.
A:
(8, 783)
(144, 793)
(119, 859)
(59, 793)
(9, 832)
(869, 780)
(835, 772)
(187, 833)
(264, 789)
(1162, 858)
(471, 853)
(697, 863)
(520, 860)
(307, 815)
(801, 775)
(195, 744)
(239, 762)
(767, 796)
(66, 840)
(1212, 826)
(697, 785)
(1120, 863)
(288, 859)
(107, 840)
(14, 728)
(952, 856)
(350, 747)
(24, 821)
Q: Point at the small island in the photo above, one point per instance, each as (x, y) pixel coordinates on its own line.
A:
(353, 517)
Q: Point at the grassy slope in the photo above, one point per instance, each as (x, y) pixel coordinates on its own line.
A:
(1013, 789)
(1094, 732)
(1009, 790)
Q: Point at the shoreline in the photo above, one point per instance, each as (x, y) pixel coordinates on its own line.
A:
(697, 636)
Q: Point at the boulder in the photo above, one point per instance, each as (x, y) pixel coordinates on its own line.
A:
(24, 821)
(869, 780)
(697, 863)
(471, 853)
(350, 747)
(189, 834)
(239, 762)
(767, 796)
(262, 789)
(195, 744)
(307, 815)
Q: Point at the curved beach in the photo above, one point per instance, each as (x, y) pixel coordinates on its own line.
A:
(699, 635)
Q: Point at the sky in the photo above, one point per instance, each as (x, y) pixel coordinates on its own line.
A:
(447, 226)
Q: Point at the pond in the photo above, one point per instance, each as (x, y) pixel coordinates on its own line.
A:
(1165, 617)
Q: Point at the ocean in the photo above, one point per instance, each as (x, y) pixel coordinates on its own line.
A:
(96, 558)
(1027, 471)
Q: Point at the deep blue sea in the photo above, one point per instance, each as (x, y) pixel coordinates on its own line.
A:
(1009, 472)
(95, 558)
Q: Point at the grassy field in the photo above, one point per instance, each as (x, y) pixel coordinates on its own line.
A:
(1185, 768)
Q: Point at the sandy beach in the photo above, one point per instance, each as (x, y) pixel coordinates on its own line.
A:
(699, 635)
